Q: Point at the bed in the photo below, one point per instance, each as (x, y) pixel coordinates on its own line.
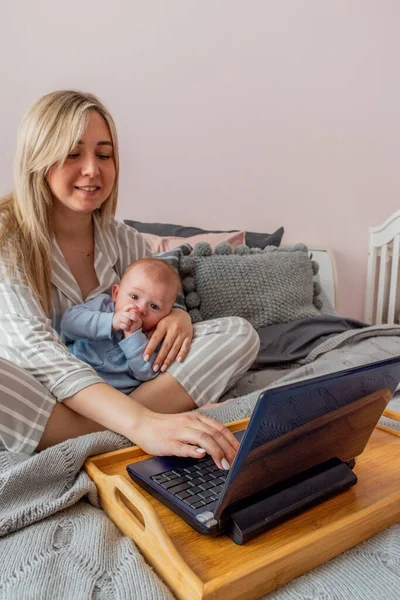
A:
(57, 543)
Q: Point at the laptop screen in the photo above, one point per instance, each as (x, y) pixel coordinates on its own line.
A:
(300, 425)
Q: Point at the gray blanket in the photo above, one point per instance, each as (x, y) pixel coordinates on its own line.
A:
(284, 343)
(57, 543)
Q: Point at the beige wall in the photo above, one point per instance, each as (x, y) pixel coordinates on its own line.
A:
(231, 113)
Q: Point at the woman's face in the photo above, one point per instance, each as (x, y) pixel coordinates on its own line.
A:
(87, 177)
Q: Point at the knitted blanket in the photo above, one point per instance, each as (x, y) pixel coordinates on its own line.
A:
(55, 541)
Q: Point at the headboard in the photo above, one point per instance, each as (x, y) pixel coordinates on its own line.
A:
(381, 298)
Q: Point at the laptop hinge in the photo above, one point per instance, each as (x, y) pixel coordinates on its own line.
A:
(281, 504)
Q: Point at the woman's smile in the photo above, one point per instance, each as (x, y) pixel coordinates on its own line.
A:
(88, 191)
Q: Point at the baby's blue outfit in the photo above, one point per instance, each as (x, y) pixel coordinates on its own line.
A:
(91, 338)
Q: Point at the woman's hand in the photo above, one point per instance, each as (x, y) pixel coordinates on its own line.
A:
(188, 434)
(163, 435)
(175, 331)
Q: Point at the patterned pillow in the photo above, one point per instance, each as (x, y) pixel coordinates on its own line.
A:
(163, 244)
(172, 257)
(274, 285)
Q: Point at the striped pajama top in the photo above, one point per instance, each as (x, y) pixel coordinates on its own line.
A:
(30, 340)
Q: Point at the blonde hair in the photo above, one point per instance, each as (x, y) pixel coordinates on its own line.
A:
(48, 132)
(159, 270)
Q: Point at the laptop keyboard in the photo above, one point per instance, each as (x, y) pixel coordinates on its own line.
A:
(197, 485)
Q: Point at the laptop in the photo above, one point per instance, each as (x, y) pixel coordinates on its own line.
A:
(299, 448)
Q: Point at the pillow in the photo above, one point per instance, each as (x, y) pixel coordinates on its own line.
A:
(162, 244)
(261, 240)
(254, 240)
(168, 229)
(172, 257)
(268, 286)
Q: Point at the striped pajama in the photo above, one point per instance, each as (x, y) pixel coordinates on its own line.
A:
(36, 369)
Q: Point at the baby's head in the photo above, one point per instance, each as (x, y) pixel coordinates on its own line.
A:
(151, 285)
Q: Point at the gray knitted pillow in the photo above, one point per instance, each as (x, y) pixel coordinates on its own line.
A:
(274, 285)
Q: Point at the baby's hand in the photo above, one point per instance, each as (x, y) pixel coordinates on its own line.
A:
(127, 320)
(136, 323)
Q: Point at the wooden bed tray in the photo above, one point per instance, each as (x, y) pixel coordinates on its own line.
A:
(196, 567)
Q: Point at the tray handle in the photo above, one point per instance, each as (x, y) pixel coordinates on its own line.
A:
(147, 524)
(148, 532)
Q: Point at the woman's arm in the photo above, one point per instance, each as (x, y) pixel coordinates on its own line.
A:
(163, 435)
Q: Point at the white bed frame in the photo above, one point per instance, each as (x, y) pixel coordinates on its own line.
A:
(381, 298)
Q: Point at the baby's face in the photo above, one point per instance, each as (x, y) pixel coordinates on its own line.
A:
(150, 299)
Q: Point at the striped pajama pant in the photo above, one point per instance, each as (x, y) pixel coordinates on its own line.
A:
(221, 351)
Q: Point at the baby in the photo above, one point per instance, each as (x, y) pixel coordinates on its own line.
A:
(108, 332)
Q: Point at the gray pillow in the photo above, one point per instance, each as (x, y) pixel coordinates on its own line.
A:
(172, 257)
(274, 285)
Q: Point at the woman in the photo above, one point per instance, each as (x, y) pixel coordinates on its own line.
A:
(60, 246)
